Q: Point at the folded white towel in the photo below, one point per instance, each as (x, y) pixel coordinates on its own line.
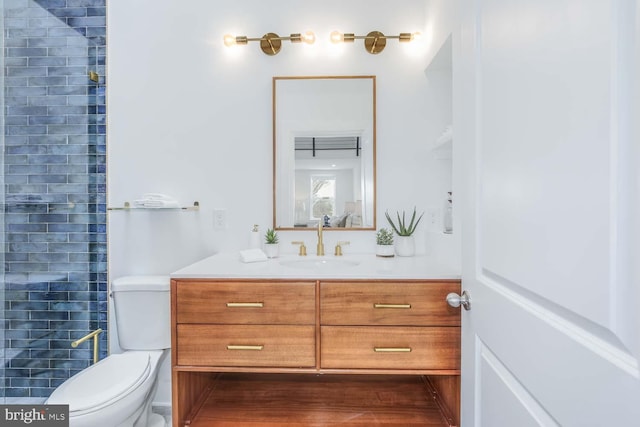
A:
(253, 255)
(157, 204)
(156, 196)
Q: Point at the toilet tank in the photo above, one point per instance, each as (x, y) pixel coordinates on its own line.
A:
(143, 312)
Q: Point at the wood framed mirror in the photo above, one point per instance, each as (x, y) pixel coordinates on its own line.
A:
(324, 152)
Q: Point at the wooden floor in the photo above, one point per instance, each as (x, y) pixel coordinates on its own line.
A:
(265, 400)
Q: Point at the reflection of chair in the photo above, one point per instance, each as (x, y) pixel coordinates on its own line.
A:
(354, 214)
(300, 217)
(350, 207)
(340, 221)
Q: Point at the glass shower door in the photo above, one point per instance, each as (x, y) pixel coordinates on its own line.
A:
(53, 181)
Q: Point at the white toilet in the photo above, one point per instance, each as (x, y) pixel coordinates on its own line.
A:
(118, 390)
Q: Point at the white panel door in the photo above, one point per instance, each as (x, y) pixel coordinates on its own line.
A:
(546, 112)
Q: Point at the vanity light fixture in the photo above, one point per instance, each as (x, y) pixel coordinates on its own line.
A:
(374, 42)
(270, 43)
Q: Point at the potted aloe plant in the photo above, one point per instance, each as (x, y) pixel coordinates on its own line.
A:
(405, 244)
(271, 246)
(384, 243)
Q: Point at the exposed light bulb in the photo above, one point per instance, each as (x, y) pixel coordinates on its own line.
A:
(309, 37)
(229, 40)
(336, 37)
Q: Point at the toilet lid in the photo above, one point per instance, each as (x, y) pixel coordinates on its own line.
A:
(103, 382)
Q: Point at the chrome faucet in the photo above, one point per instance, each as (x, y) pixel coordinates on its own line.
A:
(320, 246)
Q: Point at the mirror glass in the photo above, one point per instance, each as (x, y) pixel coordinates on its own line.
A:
(324, 152)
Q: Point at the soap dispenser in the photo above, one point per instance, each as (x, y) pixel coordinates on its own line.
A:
(254, 239)
(448, 214)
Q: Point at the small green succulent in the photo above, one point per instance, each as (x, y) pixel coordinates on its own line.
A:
(384, 236)
(271, 237)
(401, 228)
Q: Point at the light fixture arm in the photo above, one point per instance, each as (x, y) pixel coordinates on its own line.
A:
(374, 41)
(270, 43)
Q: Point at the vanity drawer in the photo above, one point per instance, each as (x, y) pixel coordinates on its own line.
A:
(246, 345)
(388, 303)
(390, 347)
(227, 302)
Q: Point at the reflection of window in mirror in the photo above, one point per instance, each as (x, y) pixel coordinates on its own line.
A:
(323, 196)
(328, 180)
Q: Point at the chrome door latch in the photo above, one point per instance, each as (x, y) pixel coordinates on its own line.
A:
(455, 300)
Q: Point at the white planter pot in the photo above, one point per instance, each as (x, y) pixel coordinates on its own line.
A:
(384, 250)
(272, 250)
(405, 246)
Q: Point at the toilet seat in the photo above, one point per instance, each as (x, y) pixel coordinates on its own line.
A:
(108, 381)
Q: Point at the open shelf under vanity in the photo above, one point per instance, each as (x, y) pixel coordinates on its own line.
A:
(315, 400)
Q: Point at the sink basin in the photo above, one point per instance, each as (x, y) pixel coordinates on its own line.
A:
(316, 264)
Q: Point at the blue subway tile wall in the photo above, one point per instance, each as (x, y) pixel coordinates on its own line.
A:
(55, 272)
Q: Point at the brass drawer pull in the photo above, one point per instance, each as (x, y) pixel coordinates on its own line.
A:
(392, 349)
(245, 347)
(245, 304)
(377, 305)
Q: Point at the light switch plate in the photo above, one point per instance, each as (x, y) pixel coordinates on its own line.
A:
(219, 219)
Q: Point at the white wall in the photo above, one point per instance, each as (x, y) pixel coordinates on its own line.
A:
(191, 118)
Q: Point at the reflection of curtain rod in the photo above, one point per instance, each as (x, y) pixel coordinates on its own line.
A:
(327, 144)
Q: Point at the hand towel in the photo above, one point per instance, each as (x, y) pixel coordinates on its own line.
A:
(253, 255)
(157, 204)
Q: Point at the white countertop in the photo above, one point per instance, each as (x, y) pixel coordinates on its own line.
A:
(352, 266)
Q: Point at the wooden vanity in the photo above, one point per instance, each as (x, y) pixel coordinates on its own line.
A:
(313, 352)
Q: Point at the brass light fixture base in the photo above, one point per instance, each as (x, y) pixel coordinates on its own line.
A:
(375, 42)
(271, 44)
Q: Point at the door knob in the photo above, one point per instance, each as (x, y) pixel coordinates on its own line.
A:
(455, 300)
